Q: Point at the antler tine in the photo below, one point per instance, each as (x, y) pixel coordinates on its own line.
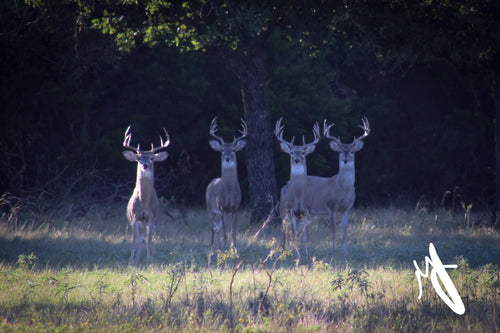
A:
(163, 144)
(243, 131)
(127, 138)
(365, 127)
(326, 131)
(213, 129)
(316, 134)
(278, 131)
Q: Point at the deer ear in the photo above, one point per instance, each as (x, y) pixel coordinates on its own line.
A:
(215, 145)
(309, 149)
(130, 155)
(358, 145)
(240, 144)
(334, 146)
(285, 147)
(159, 157)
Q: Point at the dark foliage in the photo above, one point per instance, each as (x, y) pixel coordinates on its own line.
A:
(68, 95)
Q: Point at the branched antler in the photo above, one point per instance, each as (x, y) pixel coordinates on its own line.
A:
(128, 138)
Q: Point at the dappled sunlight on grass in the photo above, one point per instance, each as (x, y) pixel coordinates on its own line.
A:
(72, 274)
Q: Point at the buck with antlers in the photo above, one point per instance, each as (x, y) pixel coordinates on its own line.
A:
(223, 195)
(294, 201)
(143, 208)
(337, 194)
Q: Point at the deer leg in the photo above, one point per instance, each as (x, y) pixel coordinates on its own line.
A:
(149, 233)
(140, 244)
(234, 216)
(285, 225)
(344, 232)
(212, 228)
(137, 244)
(297, 232)
(213, 236)
(294, 223)
(304, 223)
(134, 246)
(284, 229)
(224, 230)
(216, 228)
(333, 223)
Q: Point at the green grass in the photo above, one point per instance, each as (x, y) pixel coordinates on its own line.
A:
(66, 273)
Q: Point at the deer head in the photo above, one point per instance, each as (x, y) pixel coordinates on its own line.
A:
(145, 159)
(346, 150)
(297, 153)
(228, 149)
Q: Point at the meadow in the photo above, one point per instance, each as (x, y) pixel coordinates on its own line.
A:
(67, 270)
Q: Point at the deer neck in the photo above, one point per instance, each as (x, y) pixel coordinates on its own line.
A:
(229, 174)
(298, 170)
(298, 174)
(144, 186)
(346, 175)
(298, 183)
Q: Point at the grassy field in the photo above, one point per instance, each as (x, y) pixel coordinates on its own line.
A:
(67, 271)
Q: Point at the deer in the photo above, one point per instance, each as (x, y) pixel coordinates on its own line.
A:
(336, 195)
(223, 194)
(143, 208)
(293, 200)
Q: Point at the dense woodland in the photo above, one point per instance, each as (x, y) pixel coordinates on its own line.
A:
(75, 74)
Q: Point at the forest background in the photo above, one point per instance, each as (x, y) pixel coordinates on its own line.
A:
(75, 74)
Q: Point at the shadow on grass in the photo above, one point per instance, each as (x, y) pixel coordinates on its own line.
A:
(188, 242)
(401, 253)
(59, 253)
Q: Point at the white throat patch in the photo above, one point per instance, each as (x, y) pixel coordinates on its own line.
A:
(298, 169)
(146, 173)
(348, 165)
(229, 164)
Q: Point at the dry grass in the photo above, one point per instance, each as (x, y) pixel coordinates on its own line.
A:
(78, 280)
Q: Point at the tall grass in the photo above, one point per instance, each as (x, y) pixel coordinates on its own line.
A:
(71, 274)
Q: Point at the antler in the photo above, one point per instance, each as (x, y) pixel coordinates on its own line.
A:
(243, 131)
(128, 137)
(163, 144)
(316, 136)
(326, 132)
(213, 129)
(126, 140)
(278, 132)
(365, 127)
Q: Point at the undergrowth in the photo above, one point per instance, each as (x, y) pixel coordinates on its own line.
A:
(69, 275)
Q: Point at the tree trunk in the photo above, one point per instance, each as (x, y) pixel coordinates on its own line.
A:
(496, 100)
(252, 73)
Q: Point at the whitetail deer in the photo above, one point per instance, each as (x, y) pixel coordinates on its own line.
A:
(223, 195)
(294, 201)
(143, 208)
(337, 194)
